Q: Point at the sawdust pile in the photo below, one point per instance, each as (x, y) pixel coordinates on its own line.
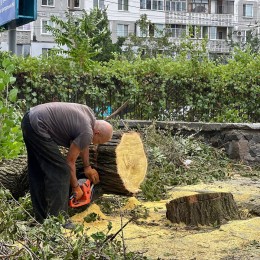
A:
(156, 237)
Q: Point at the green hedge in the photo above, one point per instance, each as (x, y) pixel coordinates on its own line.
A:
(161, 88)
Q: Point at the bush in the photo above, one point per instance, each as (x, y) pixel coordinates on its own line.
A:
(157, 89)
(178, 160)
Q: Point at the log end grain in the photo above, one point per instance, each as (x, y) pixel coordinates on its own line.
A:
(131, 161)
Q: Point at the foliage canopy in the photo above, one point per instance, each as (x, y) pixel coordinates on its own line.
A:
(85, 38)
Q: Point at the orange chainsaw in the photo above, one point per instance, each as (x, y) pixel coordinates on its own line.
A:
(86, 198)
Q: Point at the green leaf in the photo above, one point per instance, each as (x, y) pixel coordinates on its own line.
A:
(12, 80)
(6, 63)
(109, 226)
(91, 217)
(9, 68)
(3, 110)
(98, 236)
(13, 94)
(2, 74)
(2, 85)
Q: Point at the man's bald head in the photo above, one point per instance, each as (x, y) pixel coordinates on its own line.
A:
(103, 132)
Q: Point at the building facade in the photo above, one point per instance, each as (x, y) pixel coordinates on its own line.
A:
(218, 20)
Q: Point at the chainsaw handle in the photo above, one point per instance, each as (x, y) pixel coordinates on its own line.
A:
(86, 197)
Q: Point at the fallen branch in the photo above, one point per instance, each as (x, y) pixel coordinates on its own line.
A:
(118, 110)
(112, 237)
(5, 252)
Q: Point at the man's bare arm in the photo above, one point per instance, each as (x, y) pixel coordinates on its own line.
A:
(91, 174)
(72, 156)
(84, 154)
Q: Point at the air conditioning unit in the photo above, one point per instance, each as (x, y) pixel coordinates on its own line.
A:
(238, 33)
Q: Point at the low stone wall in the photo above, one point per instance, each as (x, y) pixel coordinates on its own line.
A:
(240, 141)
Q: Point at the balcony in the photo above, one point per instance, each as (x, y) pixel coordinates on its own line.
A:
(226, 20)
(22, 37)
(213, 46)
(218, 46)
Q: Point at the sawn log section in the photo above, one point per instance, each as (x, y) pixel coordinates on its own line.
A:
(121, 163)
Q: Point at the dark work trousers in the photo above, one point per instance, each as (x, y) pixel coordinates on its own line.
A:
(49, 174)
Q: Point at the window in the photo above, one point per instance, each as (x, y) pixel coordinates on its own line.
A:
(23, 50)
(247, 34)
(46, 51)
(157, 5)
(25, 27)
(123, 5)
(142, 33)
(178, 6)
(220, 9)
(248, 10)
(212, 33)
(146, 4)
(167, 5)
(192, 31)
(122, 30)
(153, 4)
(44, 23)
(176, 30)
(159, 30)
(142, 4)
(199, 32)
(75, 3)
(48, 2)
(199, 6)
(99, 4)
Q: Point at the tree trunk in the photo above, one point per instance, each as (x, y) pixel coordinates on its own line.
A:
(13, 176)
(204, 209)
(121, 163)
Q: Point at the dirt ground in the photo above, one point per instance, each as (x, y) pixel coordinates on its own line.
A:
(157, 238)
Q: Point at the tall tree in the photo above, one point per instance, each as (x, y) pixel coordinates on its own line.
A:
(151, 40)
(251, 40)
(87, 37)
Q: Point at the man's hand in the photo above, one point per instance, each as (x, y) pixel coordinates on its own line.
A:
(92, 175)
(77, 191)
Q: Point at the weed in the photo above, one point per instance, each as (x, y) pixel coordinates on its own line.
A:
(49, 240)
(177, 160)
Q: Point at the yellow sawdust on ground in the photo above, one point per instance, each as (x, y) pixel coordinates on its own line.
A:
(156, 237)
(131, 203)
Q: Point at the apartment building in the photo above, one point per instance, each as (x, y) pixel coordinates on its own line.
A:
(218, 20)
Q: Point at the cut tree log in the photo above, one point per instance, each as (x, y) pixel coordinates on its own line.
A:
(121, 163)
(13, 176)
(204, 209)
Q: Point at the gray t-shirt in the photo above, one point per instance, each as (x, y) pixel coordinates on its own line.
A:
(64, 123)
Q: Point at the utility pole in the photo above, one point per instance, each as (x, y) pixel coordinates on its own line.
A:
(12, 36)
(71, 6)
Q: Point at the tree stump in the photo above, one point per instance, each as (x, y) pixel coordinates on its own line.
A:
(204, 209)
(13, 176)
(121, 163)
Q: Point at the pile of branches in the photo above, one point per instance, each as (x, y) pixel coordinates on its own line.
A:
(21, 236)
